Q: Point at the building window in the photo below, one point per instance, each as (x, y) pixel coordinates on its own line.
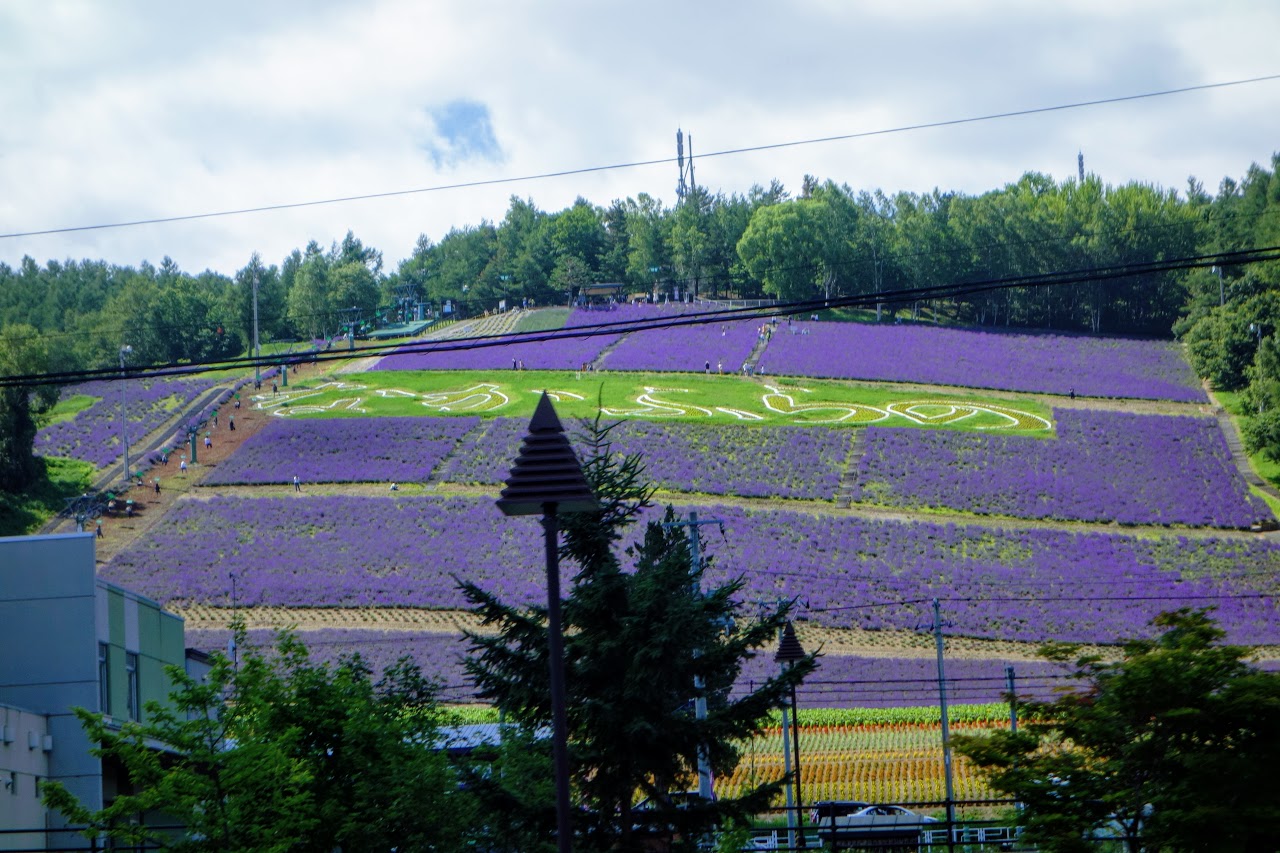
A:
(104, 677)
(135, 695)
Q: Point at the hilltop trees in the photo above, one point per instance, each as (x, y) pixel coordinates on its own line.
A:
(1173, 748)
(637, 644)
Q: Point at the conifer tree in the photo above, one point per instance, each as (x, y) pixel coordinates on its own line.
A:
(636, 644)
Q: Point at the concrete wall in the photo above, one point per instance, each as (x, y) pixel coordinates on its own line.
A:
(24, 764)
(54, 613)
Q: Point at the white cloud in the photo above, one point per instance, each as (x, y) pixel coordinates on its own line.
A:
(146, 109)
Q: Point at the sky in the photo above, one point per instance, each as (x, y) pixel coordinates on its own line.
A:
(150, 109)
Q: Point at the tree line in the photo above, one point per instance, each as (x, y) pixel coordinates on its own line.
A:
(827, 241)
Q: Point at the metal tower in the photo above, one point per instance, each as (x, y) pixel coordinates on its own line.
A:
(686, 182)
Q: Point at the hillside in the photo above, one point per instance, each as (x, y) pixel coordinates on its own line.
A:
(1031, 515)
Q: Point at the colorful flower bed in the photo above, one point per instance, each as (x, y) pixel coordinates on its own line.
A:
(94, 435)
(343, 450)
(787, 462)
(1055, 364)
(1175, 470)
(1024, 585)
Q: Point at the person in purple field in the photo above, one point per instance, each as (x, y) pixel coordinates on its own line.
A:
(183, 466)
(156, 481)
(231, 422)
(297, 484)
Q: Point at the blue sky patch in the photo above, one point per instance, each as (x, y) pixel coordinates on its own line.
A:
(463, 132)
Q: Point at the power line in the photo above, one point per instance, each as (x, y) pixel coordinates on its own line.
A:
(641, 163)
(901, 296)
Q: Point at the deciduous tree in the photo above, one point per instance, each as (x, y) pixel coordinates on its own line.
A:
(1173, 747)
(281, 753)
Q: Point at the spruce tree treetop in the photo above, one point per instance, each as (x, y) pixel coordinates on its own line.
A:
(637, 642)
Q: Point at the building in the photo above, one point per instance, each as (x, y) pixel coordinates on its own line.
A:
(69, 639)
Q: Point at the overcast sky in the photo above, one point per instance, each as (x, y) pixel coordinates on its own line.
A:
(122, 111)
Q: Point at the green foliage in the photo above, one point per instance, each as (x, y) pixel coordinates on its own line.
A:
(280, 753)
(1176, 744)
(23, 352)
(636, 644)
(26, 511)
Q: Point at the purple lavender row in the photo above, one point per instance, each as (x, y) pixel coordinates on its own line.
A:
(558, 354)
(840, 681)
(343, 450)
(711, 348)
(1176, 470)
(94, 434)
(1055, 364)
(1024, 585)
(786, 462)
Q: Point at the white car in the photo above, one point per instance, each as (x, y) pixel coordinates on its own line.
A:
(881, 823)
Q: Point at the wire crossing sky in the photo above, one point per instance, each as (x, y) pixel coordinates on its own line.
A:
(176, 116)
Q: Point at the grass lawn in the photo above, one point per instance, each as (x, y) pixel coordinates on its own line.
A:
(25, 512)
(66, 410)
(655, 396)
(543, 320)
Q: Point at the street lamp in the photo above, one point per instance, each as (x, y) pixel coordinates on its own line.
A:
(124, 425)
(789, 653)
(547, 479)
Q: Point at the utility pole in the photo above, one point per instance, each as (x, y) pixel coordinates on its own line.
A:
(257, 348)
(1013, 699)
(124, 418)
(946, 726)
(700, 698)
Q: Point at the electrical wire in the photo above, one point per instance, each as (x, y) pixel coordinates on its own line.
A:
(729, 152)
(895, 297)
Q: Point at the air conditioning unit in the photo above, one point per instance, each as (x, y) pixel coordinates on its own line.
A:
(46, 743)
(6, 734)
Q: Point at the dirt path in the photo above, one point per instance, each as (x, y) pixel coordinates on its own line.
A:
(150, 506)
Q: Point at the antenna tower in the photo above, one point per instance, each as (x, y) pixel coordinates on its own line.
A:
(685, 184)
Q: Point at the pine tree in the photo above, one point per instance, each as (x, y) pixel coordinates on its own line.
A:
(636, 643)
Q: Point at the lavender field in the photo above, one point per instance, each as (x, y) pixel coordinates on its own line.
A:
(840, 681)
(1173, 470)
(94, 435)
(343, 450)
(1054, 364)
(784, 462)
(1026, 585)
(711, 348)
(573, 353)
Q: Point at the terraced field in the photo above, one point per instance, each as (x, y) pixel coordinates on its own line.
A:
(1032, 508)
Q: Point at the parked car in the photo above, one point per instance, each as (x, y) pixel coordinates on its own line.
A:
(828, 809)
(886, 827)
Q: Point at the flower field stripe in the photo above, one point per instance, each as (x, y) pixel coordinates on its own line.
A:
(1176, 470)
(1054, 364)
(710, 348)
(1021, 585)
(777, 462)
(93, 435)
(343, 450)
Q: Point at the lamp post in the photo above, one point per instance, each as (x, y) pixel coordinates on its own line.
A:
(547, 479)
(124, 420)
(789, 653)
